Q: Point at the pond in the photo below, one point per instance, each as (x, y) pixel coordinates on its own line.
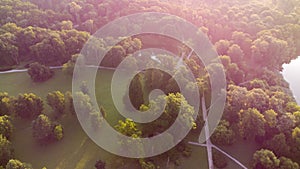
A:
(291, 73)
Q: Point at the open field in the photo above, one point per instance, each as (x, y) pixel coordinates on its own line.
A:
(76, 150)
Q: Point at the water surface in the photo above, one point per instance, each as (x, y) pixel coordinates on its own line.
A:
(291, 73)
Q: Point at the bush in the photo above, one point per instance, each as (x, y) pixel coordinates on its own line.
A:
(39, 72)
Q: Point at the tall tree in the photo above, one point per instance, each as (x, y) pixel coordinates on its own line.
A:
(6, 150)
(252, 123)
(56, 100)
(223, 134)
(28, 105)
(6, 126)
(42, 129)
(265, 159)
(39, 72)
(16, 164)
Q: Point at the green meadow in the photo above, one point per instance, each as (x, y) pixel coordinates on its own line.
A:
(76, 150)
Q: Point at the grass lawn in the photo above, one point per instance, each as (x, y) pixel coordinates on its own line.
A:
(76, 150)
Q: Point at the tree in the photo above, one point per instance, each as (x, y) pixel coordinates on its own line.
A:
(292, 107)
(236, 100)
(136, 93)
(84, 106)
(271, 118)
(236, 53)
(295, 149)
(278, 144)
(297, 118)
(252, 123)
(128, 128)
(222, 46)
(257, 98)
(56, 100)
(131, 45)
(84, 88)
(96, 119)
(265, 159)
(286, 163)
(73, 42)
(243, 39)
(51, 50)
(58, 133)
(5, 104)
(16, 164)
(39, 73)
(66, 25)
(219, 159)
(146, 164)
(270, 51)
(68, 67)
(286, 122)
(100, 164)
(114, 57)
(42, 129)
(6, 126)
(223, 134)
(69, 102)
(28, 105)
(9, 55)
(6, 150)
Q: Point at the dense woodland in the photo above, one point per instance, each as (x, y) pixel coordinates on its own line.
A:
(253, 39)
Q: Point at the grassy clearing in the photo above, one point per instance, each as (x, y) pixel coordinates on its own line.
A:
(76, 150)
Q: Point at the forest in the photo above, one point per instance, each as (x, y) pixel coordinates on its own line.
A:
(43, 39)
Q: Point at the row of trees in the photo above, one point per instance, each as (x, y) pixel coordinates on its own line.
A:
(49, 47)
(28, 106)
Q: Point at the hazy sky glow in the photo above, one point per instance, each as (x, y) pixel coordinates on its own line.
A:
(291, 73)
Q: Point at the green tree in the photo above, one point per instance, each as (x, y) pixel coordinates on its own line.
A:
(257, 98)
(236, 100)
(96, 119)
(128, 128)
(84, 88)
(84, 105)
(252, 123)
(68, 67)
(51, 50)
(56, 100)
(6, 150)
(136, 93)
(39, 73)
(9, 53)
(69, 102)
(286, 163)
(219, 159)
(146, 164)
(131, 45)
(16, 164)
(5, 104)
(58, 132)
(278, 144)
(223, 134)
(286, 123)
(271, 118)
(6, 126)
(114, 57)
(28, 105)
(295, 142)
(265, 159)
(100, 164)
(236, 53)
(42, 129)
(222, 46)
